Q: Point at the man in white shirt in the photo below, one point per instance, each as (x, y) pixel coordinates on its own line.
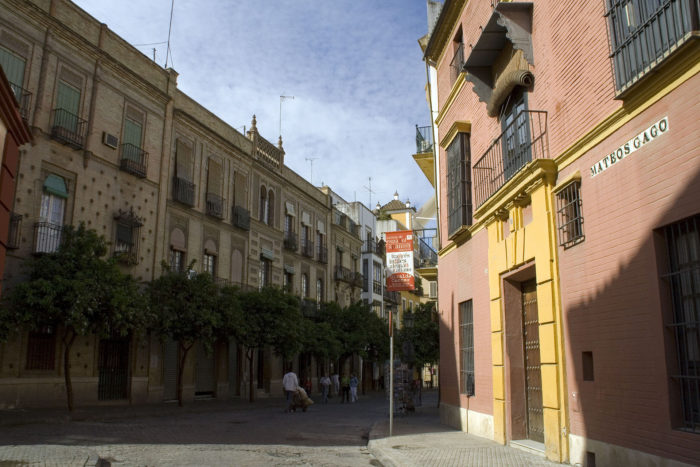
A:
(290, 382)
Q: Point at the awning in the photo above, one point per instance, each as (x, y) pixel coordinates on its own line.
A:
(321, 228)
(210, 247)
(290, 209)
(267, 254)
(305, 218)
(288, 269)
(56, 186)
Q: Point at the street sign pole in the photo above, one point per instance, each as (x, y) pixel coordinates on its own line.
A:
(391, 374)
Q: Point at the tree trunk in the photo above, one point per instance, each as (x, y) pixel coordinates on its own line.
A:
(251, 395)
(184, 349)
(67, 345)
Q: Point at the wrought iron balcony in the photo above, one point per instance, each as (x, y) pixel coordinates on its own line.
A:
(241, 217)
(23, 98)
(456, 64)
(216, 205)
(133, 160)
(183, 191)
(424, 139)
(307, 248)
(291, 242)
(344, 274)
(13, 235)
(47, 237)
(522, 141)
(391, 297)
(377, 287)
(373, 246)
(322, 254)
(68, 128)
(427, 257)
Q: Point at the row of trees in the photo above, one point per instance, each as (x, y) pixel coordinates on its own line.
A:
(81, 291)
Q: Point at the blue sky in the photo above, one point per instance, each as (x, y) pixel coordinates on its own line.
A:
(353, 66)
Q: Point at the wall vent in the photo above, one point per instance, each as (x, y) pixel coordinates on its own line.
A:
(110, 140)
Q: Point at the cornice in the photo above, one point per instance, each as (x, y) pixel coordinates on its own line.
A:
(205, 131)
(457, 127)
(443, 29)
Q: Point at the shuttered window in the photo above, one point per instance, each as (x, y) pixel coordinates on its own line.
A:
(214, 177)
(133, 131)
(239, 188)
(459, 205)
(13, 65)
(68, 98)
(184, 161)
(466, 348)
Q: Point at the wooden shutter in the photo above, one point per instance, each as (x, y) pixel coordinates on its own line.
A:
(184, 160)
(68, 98)
(13, 65)
(240, 189)
(214, 177)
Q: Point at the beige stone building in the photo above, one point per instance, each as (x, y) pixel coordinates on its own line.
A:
(118, 147)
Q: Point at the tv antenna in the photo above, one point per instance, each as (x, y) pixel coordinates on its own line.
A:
(170, 28)
(281, 99)
(311, 160)
(369, 189)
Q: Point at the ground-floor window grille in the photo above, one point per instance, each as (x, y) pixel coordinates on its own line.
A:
(466, 348)
(41, 349)
(569, 215)
(683, 243)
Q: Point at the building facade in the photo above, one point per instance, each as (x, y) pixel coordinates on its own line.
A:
(577, 338)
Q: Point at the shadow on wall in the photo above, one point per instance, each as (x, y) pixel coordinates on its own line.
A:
(622, 354)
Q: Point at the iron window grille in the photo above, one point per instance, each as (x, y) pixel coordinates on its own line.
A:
(683, 244)
(183, 191)
(569, 215)
(457, 63)
(466, 348)
(644, 32)
(13, 236)
(177, 260)
(459, 190)
(41, 349)
(126, 241)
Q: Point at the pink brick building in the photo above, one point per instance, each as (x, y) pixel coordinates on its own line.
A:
(569, 210)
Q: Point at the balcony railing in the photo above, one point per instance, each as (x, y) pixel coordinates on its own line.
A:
(23, 98)
(377, 287)
(456, 64)
(47, 237)
(307, 248)
(183, 191)
(644, 33)
(373, 246)
(134, 160)
(13, 235)
(291, 242)
(344, 274)
(424, 139)
(391, 297)
(357, 279)
(241, 217)
(522, 141)
(216, 205)
(68, 128)
(427, 257)
(322, 254)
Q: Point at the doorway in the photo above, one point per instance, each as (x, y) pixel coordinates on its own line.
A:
(113, 380)
(533, 376)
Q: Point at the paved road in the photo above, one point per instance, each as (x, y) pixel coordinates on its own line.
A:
(202, 433)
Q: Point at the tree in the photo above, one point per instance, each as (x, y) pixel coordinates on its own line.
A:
(270, 317)
(186, 309)
(423, 334)
(75, 289)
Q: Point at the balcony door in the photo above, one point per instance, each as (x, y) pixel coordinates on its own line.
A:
(53, 204)
(13, 65)
(516, 134)
(68, 105)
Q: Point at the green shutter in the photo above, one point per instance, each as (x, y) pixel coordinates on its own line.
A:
(68, 98)
(13, 66)
(56, 186)
(132, 132)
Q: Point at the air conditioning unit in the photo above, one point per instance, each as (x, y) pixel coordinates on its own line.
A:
(110, 140)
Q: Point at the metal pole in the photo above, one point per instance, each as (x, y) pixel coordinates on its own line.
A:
(391, 374)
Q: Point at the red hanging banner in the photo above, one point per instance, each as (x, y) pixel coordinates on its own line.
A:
(399, 261)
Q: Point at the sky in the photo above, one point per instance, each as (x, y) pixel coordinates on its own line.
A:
(354, 68)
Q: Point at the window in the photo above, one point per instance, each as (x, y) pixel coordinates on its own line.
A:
(569, 215)
(270, 215)
(177, 260)
(642, 32)
(319, 291)
(127, 236)
(49, 229)
(459, 183)
(288, 281)
(209, 265)
(215, 182)
(433, 289)
(183, 188)
(14, 65)
(683, 245)
(516, 133)
(41, 349)
(133, 157)
(264, 274)
(466, 348)
(304, 286)
(458, 56)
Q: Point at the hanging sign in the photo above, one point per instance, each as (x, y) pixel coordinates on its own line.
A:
(399, 261)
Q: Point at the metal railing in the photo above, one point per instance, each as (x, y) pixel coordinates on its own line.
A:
(357, 279)
(377, 287)
(427, 257)
(344, 274)
(643, 33)
(457, 63)
(47, 237)
(522, 141)
(391, 297)
(23, 98)
(322, 254)
(291, 241)
(373, 246)
(307, 248)
(216, 205)
(424, 139)
(68, 128)
(183, 191)
(13, 235)
(241, 217)
(133, 160)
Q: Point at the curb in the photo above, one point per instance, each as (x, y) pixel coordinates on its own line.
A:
(374, 446)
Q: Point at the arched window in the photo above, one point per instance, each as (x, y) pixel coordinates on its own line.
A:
(270, 207)
(304, 286)
(263, 204)
(319, 291)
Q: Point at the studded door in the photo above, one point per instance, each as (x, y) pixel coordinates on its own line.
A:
(533, 376)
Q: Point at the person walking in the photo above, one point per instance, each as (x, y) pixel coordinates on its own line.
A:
(345, 386)
(336, 383)
(325, 383)
(290, 382)
(353, 388)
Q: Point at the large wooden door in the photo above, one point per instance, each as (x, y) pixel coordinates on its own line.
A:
(113, 382)
(205, 383)
(170, 364)
(533, 376)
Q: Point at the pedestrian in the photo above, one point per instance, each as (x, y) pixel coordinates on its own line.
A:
(325, 383)
(353, 388)
(290, 382)
(336, 383)
(345, 385)
(307, 385)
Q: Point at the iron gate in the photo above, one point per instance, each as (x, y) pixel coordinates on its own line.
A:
(205, 384)
(533, 376)
(170, 364)
(113, 382)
